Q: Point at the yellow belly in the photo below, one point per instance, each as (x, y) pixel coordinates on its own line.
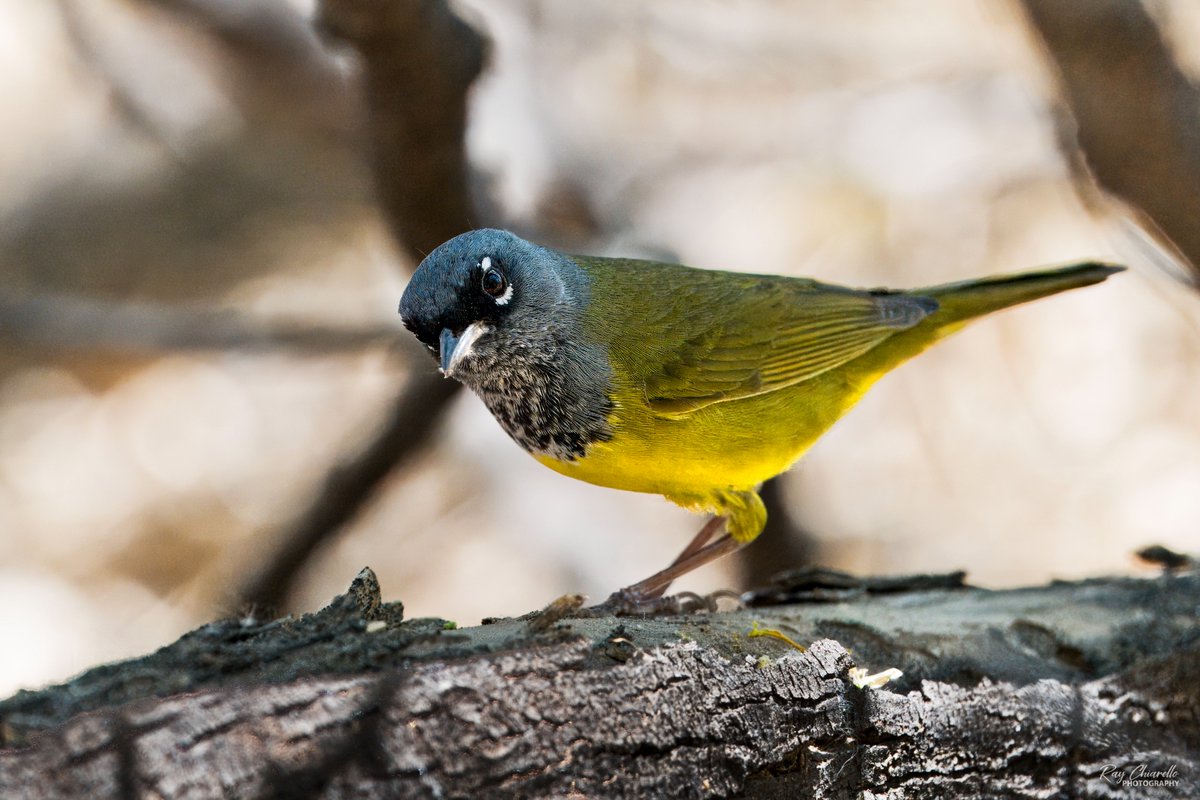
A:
(734, 445)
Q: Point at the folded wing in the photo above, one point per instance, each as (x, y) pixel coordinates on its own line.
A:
(774, 340)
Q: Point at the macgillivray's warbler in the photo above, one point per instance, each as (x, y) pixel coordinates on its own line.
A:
(694, 384)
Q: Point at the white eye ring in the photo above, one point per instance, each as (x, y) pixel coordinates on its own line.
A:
(502, 299)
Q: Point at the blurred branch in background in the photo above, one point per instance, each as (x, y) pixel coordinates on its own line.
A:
(183, 184)
(418, 61)
(75, 323)
(1132, 112)
(216, 202)
(249, 129)
(350, 486)
(266, 44)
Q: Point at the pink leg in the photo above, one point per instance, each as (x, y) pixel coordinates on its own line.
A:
(694, 556)
(700, 539)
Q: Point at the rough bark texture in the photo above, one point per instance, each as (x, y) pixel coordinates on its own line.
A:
(1039, 692)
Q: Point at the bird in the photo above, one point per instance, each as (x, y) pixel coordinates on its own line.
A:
(695, 384)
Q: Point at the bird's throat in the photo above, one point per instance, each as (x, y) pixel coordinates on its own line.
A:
(543, 403)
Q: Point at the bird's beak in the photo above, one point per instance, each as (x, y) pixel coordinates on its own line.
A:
(446, 347)
(453, 349)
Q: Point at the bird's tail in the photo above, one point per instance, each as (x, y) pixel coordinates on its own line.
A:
(959, 303)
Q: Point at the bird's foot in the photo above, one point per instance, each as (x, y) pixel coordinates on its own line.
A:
(628, 602)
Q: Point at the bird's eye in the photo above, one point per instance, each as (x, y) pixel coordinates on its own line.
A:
(494, 282)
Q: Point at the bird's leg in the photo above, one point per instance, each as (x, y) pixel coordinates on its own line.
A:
(691, 558)
(656, 584)
(694, 546)
(698, 541)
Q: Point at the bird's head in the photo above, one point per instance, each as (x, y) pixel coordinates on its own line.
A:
(482, 294)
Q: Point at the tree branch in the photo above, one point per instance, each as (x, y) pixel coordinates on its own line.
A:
(1025, 693)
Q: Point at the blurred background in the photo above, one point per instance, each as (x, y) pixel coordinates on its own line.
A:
(201, 361)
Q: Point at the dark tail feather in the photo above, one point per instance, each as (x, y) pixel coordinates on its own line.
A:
(961, 302)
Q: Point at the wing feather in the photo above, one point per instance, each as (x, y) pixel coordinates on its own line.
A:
(690, 338)
(749, 356)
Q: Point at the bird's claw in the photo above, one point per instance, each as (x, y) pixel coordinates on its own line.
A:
(628, 602)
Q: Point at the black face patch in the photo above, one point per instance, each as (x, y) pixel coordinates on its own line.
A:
(458, 300)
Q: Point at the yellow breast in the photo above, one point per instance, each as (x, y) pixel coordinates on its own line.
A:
(734, 445)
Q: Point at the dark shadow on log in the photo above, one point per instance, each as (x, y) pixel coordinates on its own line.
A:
(1038, 692)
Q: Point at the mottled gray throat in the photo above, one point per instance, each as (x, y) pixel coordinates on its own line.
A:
(548, 392)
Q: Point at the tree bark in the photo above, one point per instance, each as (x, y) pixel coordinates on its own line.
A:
(1040, 692)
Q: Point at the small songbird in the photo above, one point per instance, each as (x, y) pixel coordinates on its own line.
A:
(694, 384)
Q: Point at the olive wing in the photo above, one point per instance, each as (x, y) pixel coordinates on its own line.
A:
(697, 337)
